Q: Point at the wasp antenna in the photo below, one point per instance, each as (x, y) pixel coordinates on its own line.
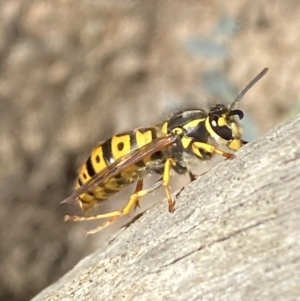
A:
(249, 86)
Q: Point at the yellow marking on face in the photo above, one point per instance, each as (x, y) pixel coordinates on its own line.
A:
(235, 144)
(120, 146)
(222, 121)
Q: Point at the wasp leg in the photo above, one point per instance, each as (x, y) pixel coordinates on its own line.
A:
(139, 187)
(76, 218)
(166, 182)
(133, 201)
(209, 149)
(115, 214)
(192, 176)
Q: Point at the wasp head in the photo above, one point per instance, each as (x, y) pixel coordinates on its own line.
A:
(221, 122)
(222, 125)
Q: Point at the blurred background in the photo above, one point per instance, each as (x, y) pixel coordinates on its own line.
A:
(74, 72)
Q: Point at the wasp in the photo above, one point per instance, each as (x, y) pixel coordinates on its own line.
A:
(129, 157)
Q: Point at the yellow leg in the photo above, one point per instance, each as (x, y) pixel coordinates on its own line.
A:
(134, 200)
(210, 149)
(166, 182)
(76, 218)
(113, 215)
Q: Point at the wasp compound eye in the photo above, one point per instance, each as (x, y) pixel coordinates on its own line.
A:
(221, 130)
(214, 120)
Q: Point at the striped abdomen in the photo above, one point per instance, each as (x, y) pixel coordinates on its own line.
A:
(104, 155)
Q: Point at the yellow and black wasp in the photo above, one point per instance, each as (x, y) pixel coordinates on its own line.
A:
(128, 157)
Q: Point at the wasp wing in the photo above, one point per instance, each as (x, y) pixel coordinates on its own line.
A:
(121, 164)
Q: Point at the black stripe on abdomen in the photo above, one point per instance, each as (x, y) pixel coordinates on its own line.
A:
(107, 153)
(89, 166)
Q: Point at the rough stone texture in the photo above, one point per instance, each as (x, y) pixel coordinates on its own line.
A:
(234, 236)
